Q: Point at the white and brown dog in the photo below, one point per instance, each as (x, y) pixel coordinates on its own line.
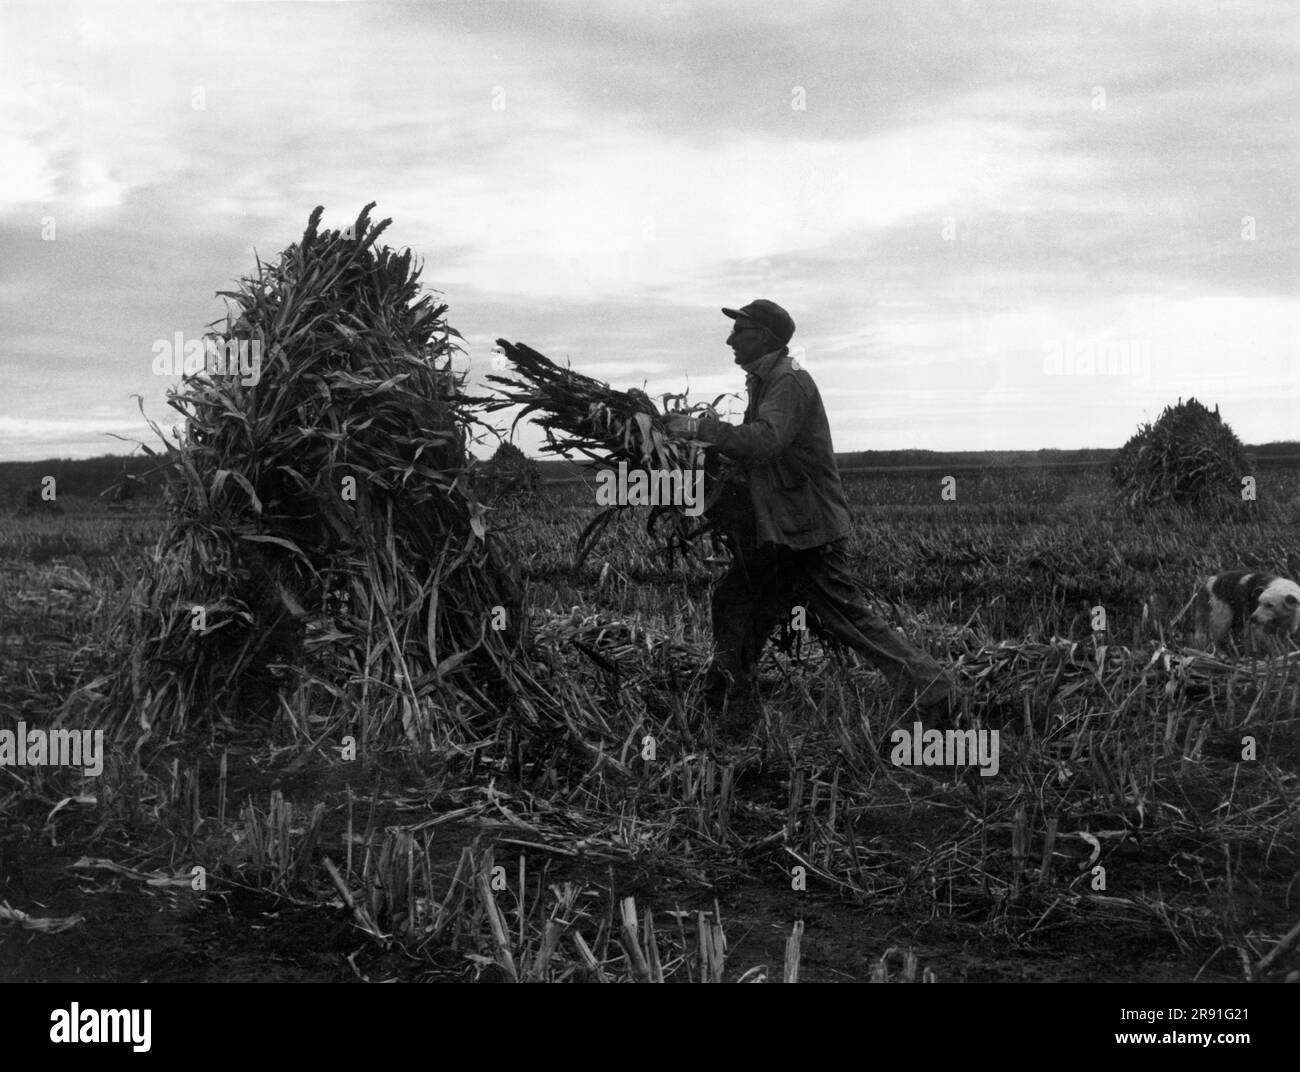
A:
(1250, 604)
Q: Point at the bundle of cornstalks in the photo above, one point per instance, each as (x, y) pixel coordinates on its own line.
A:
(582, 414)
(1188, 457)
(320, 536)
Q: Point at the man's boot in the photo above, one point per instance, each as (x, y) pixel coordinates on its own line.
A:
(730, 704)
(939, 703)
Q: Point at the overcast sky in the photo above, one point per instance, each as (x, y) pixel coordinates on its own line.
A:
(960, 203)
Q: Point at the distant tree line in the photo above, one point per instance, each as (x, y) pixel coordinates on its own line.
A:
(82, 478)
(958, 459)
(87, 478)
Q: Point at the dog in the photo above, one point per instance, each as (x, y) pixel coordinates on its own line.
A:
(1240, 601)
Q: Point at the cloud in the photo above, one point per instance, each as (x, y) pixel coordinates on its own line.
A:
(934, 189)
(36, 439)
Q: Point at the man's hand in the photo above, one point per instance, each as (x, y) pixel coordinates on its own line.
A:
(681, 426)
(705, 428)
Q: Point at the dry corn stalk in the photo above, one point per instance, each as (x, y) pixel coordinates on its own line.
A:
(582, 414)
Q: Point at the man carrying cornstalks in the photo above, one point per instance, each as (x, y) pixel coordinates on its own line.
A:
(791, 549)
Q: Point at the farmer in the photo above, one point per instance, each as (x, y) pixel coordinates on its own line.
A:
(790, 543)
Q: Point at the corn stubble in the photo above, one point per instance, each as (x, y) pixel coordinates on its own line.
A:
(1128, 738)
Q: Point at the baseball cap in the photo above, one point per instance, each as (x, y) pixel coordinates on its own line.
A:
(767, 314)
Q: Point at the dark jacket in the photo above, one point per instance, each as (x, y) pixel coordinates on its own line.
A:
(784, 446)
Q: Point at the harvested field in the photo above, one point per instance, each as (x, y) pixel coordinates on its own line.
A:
(1123, 838)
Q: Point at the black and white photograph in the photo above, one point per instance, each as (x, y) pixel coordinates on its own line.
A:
(674, 491)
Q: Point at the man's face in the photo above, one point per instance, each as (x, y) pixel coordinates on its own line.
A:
(748, 341)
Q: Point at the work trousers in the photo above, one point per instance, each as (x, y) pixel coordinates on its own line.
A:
(764, 584)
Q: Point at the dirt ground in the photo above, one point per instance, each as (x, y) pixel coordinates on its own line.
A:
(134, 933)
